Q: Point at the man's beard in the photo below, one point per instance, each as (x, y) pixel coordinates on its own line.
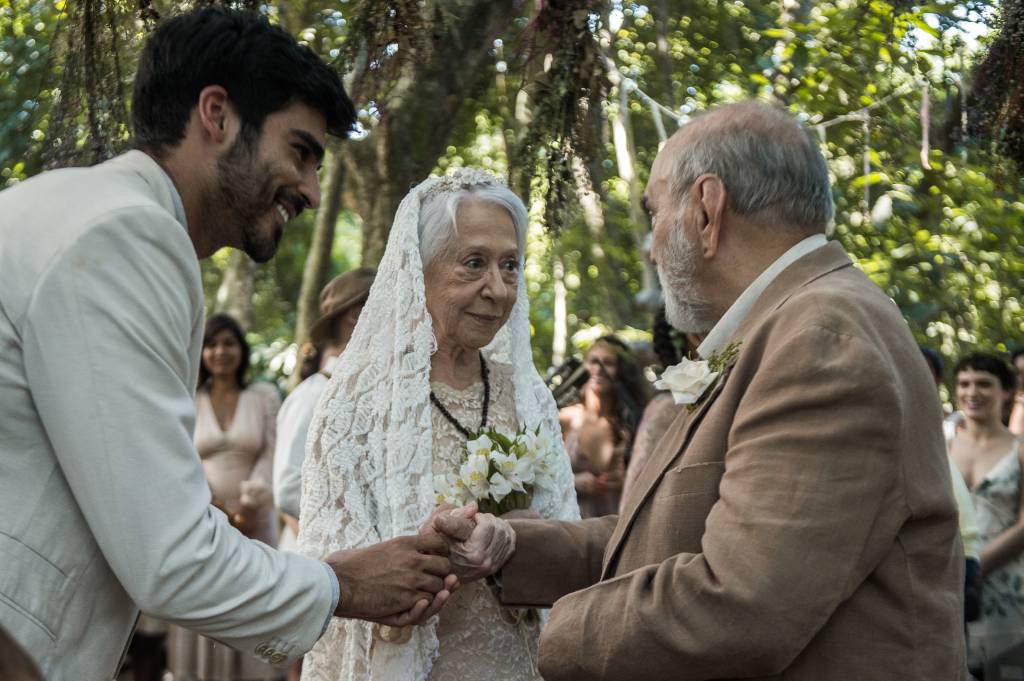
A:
(244, 197)
(685, 308)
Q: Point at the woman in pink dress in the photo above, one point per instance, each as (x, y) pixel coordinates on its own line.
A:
(234, 435)
(599, 430)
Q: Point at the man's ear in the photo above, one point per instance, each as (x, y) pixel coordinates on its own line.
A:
(216, 115)
(712, 200)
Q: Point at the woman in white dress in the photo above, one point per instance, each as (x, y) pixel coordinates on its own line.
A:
(441, 350)
(990, 459)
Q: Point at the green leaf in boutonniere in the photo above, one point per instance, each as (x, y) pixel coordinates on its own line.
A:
(718, 361)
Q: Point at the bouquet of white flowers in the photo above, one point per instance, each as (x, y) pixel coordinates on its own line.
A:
(500, 472)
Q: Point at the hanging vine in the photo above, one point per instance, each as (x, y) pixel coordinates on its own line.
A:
(573, 77)
(996, 106)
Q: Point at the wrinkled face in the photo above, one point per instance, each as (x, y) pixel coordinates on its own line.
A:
(676, 222)
(602, 356)
(223, 354)
(980, 395)
(264, 182)
(471, 286)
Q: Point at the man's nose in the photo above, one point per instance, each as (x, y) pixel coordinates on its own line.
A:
(310, 189)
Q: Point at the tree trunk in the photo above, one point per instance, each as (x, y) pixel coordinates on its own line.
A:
(560, 335)
(420, 112)
(317, 268)
(625, 155)
(662, 57)
(234, 296)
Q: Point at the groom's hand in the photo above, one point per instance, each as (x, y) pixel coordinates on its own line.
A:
(396, 582)
(480, 544)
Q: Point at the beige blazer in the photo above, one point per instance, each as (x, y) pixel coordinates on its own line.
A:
(798, 524)
(104, 508)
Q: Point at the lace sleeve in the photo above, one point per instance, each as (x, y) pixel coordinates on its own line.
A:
(334, 515)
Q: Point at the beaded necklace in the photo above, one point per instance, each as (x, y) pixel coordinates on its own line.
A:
(484, 374)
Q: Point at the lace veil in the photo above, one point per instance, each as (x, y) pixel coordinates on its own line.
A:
(367, 475)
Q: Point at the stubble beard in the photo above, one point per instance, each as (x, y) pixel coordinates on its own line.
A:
(243, 199)
(685, 308)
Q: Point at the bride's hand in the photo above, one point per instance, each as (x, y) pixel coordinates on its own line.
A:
(478, 553)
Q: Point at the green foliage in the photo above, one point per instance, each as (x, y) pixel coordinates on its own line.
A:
(944, 242)
(27, 29)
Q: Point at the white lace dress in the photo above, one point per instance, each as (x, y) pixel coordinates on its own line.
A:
(375, 444)
(479, 640)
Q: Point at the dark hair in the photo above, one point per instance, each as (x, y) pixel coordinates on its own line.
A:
(670, 345)
(214, 325)
(263, 69)
(630, 391)
(934, 360)
(990, 364)
(1016, 353)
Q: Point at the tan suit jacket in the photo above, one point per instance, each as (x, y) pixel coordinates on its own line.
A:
(798, 524)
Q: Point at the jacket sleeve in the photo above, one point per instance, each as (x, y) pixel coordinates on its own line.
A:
(808, 505)
(553, 558)
(107, 343)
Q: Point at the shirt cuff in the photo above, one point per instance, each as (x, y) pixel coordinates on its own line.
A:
(335, 596)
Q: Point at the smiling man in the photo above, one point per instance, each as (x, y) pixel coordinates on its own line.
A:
(105, 507)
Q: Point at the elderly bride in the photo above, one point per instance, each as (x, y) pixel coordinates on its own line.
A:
(441, 350)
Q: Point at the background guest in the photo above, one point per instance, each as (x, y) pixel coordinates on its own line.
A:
(341, 301)
(1017, 412)
(670, 346)
(234, 435)
(988, 457)
(965, 505)
(599, 429)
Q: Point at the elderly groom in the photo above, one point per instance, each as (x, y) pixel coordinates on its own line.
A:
(797, 522)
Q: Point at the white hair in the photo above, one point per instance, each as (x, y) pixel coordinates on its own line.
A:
(438, 228)
(772, 169)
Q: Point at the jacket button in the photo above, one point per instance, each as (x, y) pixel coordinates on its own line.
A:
(277, 658)
(261, 649)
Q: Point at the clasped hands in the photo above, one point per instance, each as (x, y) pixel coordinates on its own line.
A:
(407, 580)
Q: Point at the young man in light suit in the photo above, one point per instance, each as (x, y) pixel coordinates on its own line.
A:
(797, 521)
(104, 505)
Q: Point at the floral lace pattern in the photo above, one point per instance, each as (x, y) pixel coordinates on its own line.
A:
(369, 466)
(477, 639)
(996, 504)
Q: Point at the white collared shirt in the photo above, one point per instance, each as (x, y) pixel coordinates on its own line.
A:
(738, 311)
(293, 420)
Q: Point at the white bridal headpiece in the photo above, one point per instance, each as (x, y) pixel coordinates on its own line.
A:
(368, 473)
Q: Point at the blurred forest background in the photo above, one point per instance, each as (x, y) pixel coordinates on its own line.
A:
(918, 107)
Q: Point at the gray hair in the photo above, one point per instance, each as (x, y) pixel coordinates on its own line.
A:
(438, 228)
(772, 168)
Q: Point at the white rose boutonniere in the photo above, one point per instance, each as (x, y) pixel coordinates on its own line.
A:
(690, 379)
(687, 380)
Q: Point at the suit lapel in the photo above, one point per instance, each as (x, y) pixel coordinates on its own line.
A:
(669, 448)
(810, 267)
